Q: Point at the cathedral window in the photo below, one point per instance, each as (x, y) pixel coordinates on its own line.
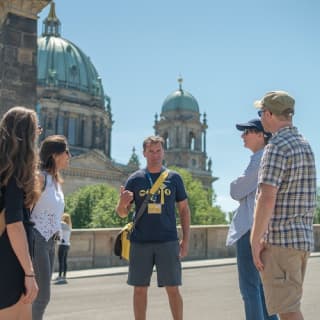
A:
(166, 141)
(73, 71)
(49, 123)
(191, 141)
(72, 131)
(60, 126)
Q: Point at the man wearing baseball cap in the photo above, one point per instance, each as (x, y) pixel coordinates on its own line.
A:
(243, 189)
(282, 232)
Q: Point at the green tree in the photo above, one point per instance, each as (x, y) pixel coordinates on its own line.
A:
(201, 201)
(94, 207)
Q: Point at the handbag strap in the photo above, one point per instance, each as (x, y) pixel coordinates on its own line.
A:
(152, 191)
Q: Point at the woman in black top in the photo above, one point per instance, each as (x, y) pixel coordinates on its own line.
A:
(19, 190)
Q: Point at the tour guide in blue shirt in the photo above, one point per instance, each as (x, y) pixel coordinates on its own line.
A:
(282, 232)
(243, 189)
(154, 240)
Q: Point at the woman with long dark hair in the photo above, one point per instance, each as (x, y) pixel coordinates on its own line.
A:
(46, 215)
(19, 191)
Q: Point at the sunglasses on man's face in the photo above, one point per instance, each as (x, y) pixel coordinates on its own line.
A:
(249, 130)
(260, 112)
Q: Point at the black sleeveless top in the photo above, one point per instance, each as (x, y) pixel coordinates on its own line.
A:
(11, 272)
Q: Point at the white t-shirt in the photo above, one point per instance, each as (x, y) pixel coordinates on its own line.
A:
(49, 209)
(65, 234)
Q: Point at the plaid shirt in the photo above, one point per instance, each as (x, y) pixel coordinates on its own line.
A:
(288, 164)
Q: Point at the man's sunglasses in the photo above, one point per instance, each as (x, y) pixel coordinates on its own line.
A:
(249, 130)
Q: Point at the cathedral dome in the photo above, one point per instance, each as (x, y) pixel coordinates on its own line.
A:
(180, 100)
(61, 64)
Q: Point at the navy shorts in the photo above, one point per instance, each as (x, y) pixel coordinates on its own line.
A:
(163, 255)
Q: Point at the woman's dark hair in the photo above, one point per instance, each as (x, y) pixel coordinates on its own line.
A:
(55, 144)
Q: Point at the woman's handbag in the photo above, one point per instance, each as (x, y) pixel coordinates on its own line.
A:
(122, 242)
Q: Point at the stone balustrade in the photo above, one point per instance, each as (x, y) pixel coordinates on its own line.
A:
(93, 248)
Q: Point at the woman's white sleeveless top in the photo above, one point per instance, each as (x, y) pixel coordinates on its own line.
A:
(49, 209)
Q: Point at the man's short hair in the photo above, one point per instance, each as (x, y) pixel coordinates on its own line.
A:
(152, 140)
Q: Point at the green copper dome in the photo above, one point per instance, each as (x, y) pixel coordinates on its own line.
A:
(180, 100)
(62, 64)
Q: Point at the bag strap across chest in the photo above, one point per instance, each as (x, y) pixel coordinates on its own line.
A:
(154, 189)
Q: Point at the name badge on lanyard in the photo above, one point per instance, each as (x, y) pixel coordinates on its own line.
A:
(154, 208)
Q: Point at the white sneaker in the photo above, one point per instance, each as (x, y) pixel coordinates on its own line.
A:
(58, 278)
(62, 280)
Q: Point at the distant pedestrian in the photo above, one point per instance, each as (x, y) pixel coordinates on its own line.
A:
(243, 189)
(63, 250)
(282, 233)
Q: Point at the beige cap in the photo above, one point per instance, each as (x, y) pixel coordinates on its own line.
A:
(278, 102)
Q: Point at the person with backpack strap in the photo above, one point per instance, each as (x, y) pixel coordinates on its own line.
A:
(154, 239)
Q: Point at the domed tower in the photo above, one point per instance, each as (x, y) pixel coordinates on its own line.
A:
(71, 102)
(184, 135)
(71, 99)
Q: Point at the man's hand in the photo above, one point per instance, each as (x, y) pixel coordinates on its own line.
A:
(184, 248)
(126, 196)
(263, 212)
(257, 247)
(124, 203)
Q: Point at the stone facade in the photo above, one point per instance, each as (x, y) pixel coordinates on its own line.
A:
(18, 52)
(93, 248)
(93, 168)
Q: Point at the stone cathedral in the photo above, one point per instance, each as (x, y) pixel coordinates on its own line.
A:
(70, 100)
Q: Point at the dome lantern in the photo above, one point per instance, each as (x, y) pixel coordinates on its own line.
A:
(51, 25)
(180, 100)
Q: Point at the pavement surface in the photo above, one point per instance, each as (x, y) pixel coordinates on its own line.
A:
(210, 291)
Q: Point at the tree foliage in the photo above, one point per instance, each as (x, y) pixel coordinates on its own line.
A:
(201, 201)
(93, 206)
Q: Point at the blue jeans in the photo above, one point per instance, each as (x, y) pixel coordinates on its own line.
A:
(250, 282)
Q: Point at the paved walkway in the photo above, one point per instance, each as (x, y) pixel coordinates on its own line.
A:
(210, 291)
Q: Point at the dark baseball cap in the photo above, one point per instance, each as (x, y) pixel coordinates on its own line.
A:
(252, 124)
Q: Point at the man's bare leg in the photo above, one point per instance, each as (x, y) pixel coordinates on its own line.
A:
(140, 302)
(176, 303)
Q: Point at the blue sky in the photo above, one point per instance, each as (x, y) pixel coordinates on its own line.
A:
(229, 54)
